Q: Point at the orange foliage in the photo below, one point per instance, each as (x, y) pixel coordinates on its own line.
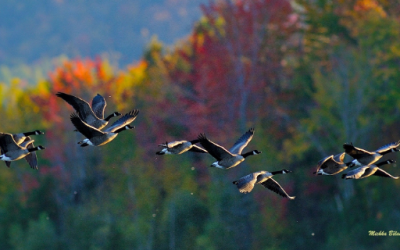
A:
(369, 5)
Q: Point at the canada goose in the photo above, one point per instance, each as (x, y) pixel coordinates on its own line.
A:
(246, 183)
(92, 116)
(179, 147)
(228, 159)
(30, 158)
(23, 137)
(96, 137)
(363, 157)
(11, 151)
(367, 171)
(332, 165)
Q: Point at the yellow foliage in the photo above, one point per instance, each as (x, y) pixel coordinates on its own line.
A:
(126, 82)
(137, 71)
(2, 90)
(107, 71)
(42, 88)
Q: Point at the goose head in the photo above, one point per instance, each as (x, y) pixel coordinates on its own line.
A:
(129, 127)
(256, 152)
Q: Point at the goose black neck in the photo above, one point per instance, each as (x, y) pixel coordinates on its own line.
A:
(29, 133)
(33, 149)
(122, 129)
(109, 117)
(247, 154)
(277, 172)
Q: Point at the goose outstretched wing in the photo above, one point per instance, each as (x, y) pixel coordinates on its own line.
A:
(274, 186)
(382, 173)
(81, 106)
(242, 142)
(31, 158)
(354, 151)
(123, 121)
(388, 147)
(217, 151)
(99, 105)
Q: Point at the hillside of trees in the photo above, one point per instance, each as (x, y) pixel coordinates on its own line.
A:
(308, 76)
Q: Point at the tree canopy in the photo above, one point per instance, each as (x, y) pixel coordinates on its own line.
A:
(308, 75)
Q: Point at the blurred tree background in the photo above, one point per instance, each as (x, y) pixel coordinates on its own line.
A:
(308, 75)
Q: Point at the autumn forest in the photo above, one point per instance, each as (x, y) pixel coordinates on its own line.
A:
(308, 75)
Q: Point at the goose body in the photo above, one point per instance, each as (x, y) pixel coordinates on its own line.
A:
(332, 165)
(369, 170)
(180, 147)
(93, 116)
(11, 151)
(96, 137)
(228, 159)
(246, 183)
(363, 157)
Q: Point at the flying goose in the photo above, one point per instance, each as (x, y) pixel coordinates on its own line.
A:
(92, 116)
(23, 137)
(11, 151)
(246, 183)
(363, 157)
(369, 170)
(96, 137)
(228, 159)
(179, 147)
(332, 165)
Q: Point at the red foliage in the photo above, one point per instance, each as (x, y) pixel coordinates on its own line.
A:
(233, 68)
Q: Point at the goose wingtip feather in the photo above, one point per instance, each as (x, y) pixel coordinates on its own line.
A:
(202, 136)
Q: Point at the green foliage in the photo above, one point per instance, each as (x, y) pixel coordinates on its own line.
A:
(40, 234)
(308, 82)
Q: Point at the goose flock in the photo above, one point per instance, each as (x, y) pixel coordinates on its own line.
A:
(89, 120)
(364, 159)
